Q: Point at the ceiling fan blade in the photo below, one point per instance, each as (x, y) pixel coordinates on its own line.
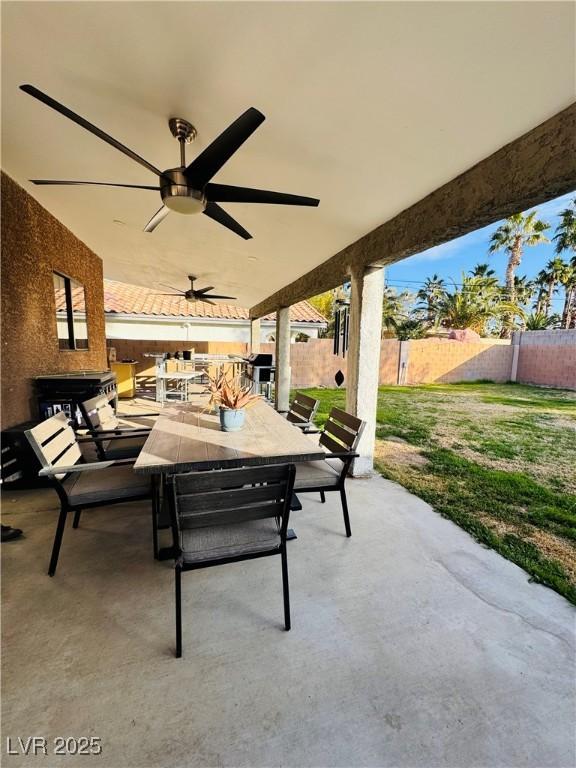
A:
(158, 217)
(169, 294)
(219, 296)
(50, 102)
(207, 301)
(219, 214)
(204, 290)
(182, 293)
(43, 182)
(223, 193)
(209, 162)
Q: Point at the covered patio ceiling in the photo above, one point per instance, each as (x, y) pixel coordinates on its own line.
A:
(369, 106)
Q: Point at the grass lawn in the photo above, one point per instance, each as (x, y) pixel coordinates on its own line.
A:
(498, 460)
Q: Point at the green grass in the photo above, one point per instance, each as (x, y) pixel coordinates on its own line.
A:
(499, 462)
(547, 403)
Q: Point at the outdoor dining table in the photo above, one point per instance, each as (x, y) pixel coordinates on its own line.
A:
(187, 437)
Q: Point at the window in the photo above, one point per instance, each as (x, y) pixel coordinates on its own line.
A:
(70, 313)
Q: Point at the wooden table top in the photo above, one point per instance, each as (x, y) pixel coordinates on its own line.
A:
(186, 438)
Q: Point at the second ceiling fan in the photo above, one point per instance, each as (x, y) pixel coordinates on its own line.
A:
(196, 294)
(187, 189)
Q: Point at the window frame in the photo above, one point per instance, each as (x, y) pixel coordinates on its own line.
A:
(69, 309)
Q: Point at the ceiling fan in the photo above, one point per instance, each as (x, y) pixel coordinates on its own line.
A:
(201, 294)
(187, 189)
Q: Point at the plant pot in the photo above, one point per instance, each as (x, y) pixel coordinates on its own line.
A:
(232, 421)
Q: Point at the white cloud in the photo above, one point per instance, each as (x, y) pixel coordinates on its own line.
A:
(553, 207)
(453, 248)
(461, 245)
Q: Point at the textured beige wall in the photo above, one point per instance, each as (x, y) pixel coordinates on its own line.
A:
(34, 244)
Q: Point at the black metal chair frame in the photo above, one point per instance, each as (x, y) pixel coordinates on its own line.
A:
(335, 436)
(251, 485)
(58, 473)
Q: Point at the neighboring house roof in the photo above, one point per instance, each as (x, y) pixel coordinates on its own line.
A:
(124, 299)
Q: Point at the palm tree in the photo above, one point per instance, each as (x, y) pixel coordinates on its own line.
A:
(538, 321)
(524, 289)
(482, 270)
(552, 274)
(431, 292)
(513, 235)
(565, 237)
(474, 304)
(568, 280)
(411, 328)
(393, 308)
(540, 283)
(565, 233)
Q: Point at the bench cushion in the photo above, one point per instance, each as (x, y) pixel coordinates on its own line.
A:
(317, 474)
(218, 542)
(101, 485)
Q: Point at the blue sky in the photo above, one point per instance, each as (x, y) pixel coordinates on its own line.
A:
(462, 254)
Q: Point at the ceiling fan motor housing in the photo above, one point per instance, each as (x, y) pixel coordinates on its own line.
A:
(178, 195)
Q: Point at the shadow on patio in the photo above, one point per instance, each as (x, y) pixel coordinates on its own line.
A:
(411, 644)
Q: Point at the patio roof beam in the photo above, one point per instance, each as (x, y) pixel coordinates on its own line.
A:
(532, 169)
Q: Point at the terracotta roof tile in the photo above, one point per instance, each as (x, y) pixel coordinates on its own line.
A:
(122, 298)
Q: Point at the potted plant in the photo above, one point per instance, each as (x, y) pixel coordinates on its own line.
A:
(232, 398)
(215, 383)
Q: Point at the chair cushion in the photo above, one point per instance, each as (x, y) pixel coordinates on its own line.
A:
(127, 448)
(317, 474)
(217, 542)
(102, 485)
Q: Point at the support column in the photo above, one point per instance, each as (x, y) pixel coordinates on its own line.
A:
(516, 342)
(282, 359)
(364, 358)
(255, 336)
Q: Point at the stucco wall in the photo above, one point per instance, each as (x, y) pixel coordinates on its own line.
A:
(34, 244)
(192, 330)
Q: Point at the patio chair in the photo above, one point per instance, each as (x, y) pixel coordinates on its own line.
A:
(101, 421)
(302, 411)
(227, 516)
(81, 485)
(340, 435)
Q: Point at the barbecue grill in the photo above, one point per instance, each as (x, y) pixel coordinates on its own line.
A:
(260, 370)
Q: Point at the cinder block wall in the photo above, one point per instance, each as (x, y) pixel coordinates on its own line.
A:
(449, 361)
(389, 360)
(547, 358)
(34, 245)
(313, 363)
(429, 360)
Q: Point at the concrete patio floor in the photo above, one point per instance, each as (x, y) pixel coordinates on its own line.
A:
(411, 645)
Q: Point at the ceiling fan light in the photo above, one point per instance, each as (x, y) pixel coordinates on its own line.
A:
(184, 204)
